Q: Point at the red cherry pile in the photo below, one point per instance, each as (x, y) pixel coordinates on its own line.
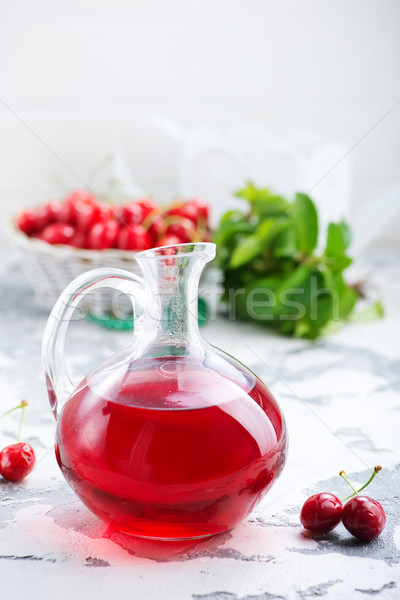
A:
(17, 460)
(362, 516)
(83, 221)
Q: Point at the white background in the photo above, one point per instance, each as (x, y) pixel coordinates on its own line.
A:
(73, 75)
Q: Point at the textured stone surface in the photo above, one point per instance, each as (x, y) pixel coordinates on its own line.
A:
(341, 400)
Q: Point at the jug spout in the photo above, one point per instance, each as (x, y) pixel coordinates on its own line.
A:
(169, 325)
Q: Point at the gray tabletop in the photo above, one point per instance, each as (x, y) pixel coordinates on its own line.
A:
(340, 397)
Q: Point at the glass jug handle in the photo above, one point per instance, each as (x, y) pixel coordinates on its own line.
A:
(58, 382)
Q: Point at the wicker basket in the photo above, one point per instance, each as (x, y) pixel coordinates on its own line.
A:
(50, 268)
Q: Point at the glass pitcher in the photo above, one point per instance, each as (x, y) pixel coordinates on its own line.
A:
(170, 438)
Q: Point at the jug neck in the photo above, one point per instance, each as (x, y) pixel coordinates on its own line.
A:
(169, 323)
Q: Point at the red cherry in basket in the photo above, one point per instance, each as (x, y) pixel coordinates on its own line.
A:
(185, 230)
(184, 210)
(79, 239)
(27, 222)
(170, 240)
(128, 214)
(85, 209)
(66, 214)
(72, 204)
(103, 235)
(201, 206)
(16, 461)
(321, 513)
(47, 214)
(156, 229)
(89, 214)
(58, 233)
(134, 237)
(80, 197)
(364, 518)
(147, 205)
(207, 237)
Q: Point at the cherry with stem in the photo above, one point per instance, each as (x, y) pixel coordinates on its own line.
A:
(323, 512)
(363, 516)
(17, 460)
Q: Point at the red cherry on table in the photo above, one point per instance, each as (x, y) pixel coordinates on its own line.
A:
(58, 233)
(321, 513)
(103, 235)
(364, 518)
(134, 237)
(16, 461)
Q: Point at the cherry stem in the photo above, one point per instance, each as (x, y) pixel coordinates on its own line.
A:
(24, 404)
(149, 220)
(356, 492)
(343, 475)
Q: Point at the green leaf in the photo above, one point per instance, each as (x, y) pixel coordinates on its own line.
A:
(263, 201)
(285, 244)
(310, 313)
(371, 313)
(337, 295)
(231, 216)
(338, 239)
(257, 299)
(238, 278)
(251, 246)
(227, 232)
(270, 282)
(251, 193)
(302, 329)
(327, 299)
(276, 299)
(273, 206)
(287, 327)
(331, 327)
(340, 263)
(347, 300)
(304, 217)
(291, 292)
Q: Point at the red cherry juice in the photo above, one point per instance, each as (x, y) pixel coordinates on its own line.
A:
(170, 448)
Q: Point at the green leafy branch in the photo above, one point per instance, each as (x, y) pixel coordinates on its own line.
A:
(271, 271)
